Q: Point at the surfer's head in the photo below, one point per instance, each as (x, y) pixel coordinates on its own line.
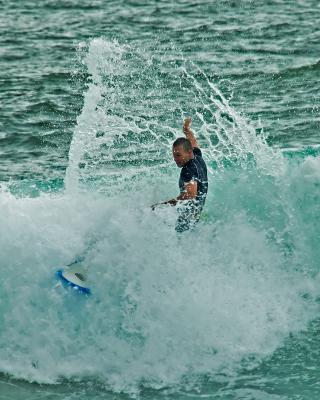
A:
(182, 151)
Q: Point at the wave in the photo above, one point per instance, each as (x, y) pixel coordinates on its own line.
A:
(166, 309)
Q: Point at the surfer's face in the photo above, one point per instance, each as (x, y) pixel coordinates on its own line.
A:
(181, 156)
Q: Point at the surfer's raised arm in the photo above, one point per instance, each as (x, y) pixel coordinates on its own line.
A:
(188, 132)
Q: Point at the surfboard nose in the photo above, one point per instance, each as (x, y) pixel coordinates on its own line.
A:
(75, 280)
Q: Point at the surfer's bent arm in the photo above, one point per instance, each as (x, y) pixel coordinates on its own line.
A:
(188, 132)
(189, 193)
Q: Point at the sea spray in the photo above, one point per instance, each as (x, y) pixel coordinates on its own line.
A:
(113, 144)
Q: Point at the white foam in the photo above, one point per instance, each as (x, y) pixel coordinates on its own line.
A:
(163, 308)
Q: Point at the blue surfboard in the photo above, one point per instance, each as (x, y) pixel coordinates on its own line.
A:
(74, 277)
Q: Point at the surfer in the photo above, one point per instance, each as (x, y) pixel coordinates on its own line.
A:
(193, 182)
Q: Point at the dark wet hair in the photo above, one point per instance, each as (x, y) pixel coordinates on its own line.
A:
(185, 143)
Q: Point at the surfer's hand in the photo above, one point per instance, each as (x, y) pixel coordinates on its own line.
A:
(188, 132)
(172, 202)
(186, 124)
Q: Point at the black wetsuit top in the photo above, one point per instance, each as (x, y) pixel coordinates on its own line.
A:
(195, 170)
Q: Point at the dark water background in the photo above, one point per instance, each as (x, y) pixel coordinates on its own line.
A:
(265, 53)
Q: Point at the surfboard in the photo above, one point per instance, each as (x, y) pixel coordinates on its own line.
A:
(75, 277)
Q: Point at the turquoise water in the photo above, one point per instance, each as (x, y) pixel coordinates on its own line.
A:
(93, 94)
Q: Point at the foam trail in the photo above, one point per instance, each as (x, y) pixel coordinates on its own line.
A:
(103, 57)
(107, 135)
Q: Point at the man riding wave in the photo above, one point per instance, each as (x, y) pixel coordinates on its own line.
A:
(193, 181)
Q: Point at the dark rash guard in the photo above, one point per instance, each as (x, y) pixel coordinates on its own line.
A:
(195, 170)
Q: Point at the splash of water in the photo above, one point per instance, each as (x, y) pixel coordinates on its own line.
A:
(130, 117)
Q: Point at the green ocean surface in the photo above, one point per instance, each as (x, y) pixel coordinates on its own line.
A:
(92, 95)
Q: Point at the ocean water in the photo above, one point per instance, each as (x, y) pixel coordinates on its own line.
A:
(92, 95)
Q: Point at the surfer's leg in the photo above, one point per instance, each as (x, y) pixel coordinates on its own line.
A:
(187, 221)
(182, 224)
